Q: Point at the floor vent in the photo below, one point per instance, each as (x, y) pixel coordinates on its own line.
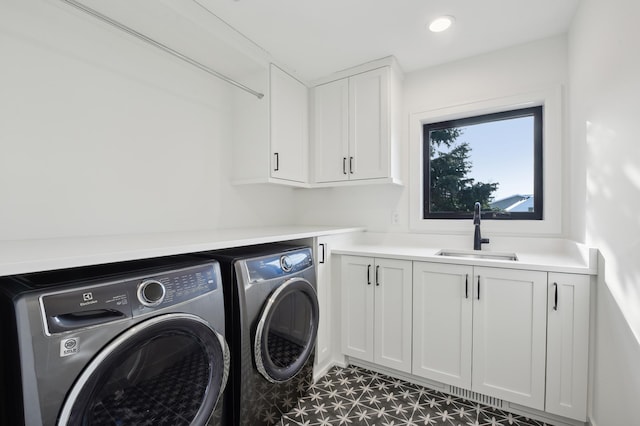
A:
(477, 397)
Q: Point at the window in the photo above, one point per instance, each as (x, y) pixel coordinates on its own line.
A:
(494, 159)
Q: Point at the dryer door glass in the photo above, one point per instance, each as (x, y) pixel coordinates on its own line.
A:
(287, 329)
(169, 370)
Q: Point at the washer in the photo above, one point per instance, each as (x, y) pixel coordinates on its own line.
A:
(140, 343)
(272, 314)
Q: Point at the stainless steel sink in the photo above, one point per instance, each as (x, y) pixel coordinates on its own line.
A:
(478, 255)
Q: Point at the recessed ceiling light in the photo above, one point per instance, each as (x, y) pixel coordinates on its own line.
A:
(441, 23)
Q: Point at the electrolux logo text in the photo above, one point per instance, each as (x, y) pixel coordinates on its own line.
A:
(88, 299)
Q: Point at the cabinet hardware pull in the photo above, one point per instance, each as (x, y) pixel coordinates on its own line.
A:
(351, 165)
(344, 165)
(323, 253)
(277, 162)
(478, 287)
(555, 297)
(377, 275)
(368, 274)
(466, 287)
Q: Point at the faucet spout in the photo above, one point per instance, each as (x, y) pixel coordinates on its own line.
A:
(478, 241)
(476, 214)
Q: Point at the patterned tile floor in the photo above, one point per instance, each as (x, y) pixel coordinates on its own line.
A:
(357, 397)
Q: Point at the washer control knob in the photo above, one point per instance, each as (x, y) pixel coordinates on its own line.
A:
(286, 263)
(151, 293)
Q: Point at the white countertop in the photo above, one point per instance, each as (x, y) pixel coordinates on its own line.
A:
(40, 255)
(545, 254)
(538, 254)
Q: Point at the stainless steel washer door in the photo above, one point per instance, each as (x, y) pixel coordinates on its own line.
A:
(168, 370)
(286, 331)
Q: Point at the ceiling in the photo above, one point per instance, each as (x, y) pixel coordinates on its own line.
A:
(315, 38)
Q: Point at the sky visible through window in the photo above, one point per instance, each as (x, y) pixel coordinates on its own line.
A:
(502, 152)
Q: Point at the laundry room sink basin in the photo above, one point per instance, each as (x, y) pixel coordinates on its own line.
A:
(478, 255)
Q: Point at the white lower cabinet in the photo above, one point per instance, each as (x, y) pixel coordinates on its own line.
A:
(376, 310)
(509, 334)
(482, 329)
(323, 271)
(442, 314)
(517, 335)
(568, 345)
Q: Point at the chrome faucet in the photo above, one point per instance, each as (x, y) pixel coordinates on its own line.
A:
(478, 241)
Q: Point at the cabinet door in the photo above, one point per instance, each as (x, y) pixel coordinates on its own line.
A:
(509, 335)
(323, 270)
(331, 131)
(393, 294)
(357, 306)
(442, 309)
(369, 124)
(568, 345)
(289, 127)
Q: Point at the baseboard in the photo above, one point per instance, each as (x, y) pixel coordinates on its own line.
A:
(550, 419)
(321, 370)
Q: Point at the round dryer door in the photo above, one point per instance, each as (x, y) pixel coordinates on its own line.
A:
(168, 370)
(286, 331)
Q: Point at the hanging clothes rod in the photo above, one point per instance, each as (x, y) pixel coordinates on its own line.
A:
(161, 46)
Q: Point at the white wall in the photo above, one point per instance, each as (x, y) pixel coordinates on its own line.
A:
(513, 71)
(102, 134)
(605, 89)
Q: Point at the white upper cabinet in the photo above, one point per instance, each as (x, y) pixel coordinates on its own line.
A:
(355, 128)
(289, 127)
(271, 135)
(369, 139)
(354, 125)
(331, 130)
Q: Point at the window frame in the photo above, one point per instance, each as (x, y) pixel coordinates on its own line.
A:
(554, 169)
(538, 141)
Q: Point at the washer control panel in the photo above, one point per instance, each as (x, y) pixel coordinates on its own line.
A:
(278, 265)
(127, 297)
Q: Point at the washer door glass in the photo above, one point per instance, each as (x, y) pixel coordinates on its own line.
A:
(168, 370)
(286, 332)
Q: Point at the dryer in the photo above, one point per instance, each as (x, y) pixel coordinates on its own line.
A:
(140, 343)
(272, 316)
